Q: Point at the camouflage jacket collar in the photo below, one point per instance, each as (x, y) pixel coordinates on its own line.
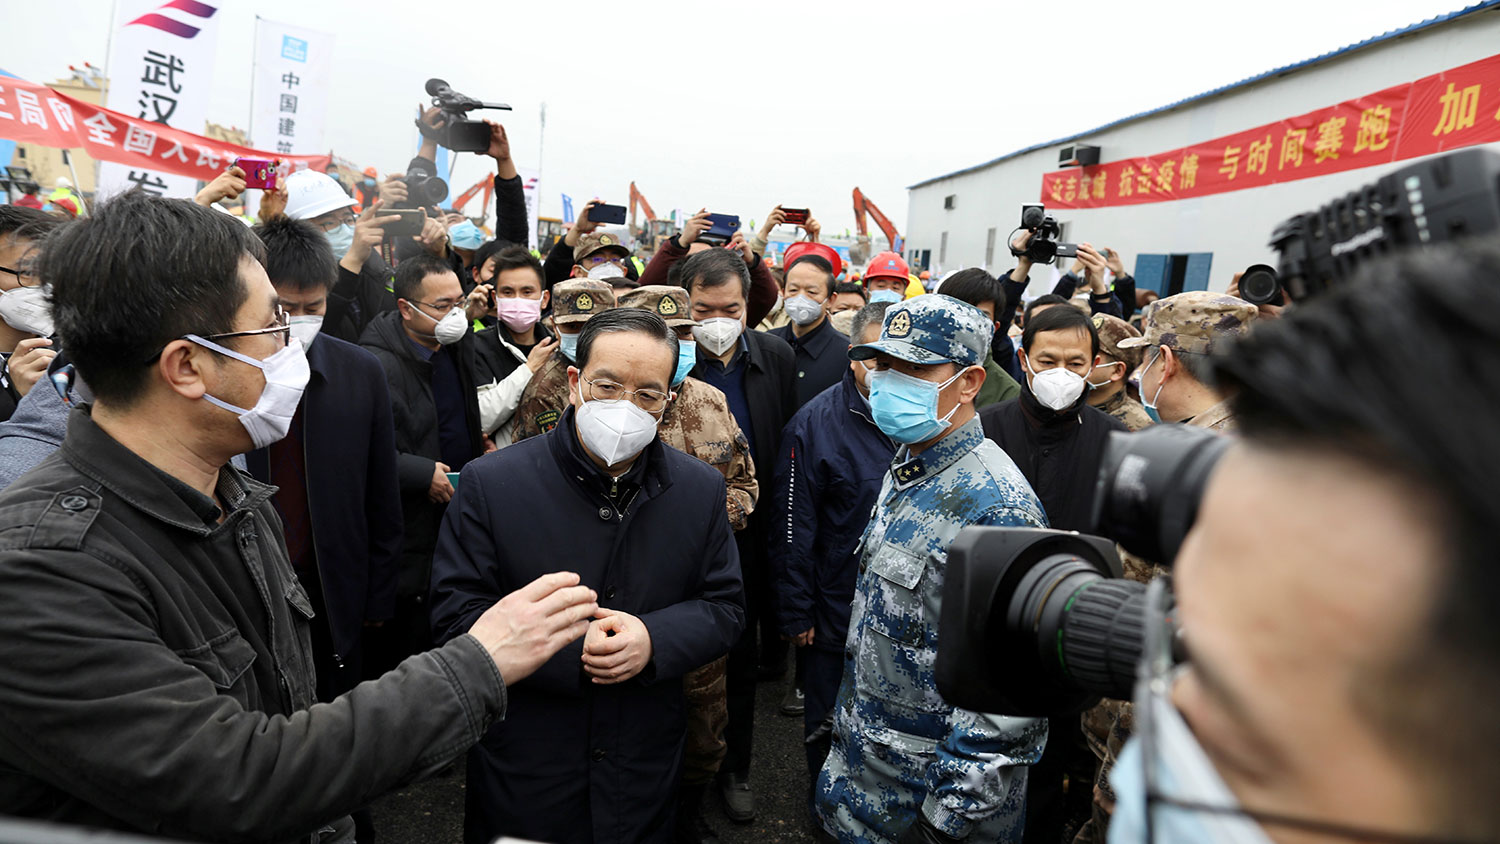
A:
(908, 471)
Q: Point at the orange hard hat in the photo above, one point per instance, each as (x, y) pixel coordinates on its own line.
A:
(887, 265)
(925, 275)
(370, 171)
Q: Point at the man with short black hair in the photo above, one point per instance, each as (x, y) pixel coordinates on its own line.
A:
(304, 270)
(591, 748)
(157, 674)
(427, 352)
(984, 292)
(754, 370)
(517, 344)
(848, 296)
(819, 350)
(25, 318)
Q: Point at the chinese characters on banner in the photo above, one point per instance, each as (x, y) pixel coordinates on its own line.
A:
(161, 61)
(289, 97)
(1452, 109)
(35, 114)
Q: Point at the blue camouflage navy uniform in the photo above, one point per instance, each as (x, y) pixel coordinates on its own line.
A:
(898, 747)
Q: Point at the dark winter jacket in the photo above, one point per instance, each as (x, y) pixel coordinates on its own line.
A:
(1059, 453)
(833, 459)
(418, 448)
(576, 761)
(158, 674)
(353, 500)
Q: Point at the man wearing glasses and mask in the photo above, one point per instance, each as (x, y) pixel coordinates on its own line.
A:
(158, 676)
(591, 746)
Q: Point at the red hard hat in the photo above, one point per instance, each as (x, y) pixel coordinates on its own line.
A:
(827, 253)
(887, 265)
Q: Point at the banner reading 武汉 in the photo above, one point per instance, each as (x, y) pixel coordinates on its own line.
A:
(35, 114)
(289, 95)
(161, 68)
(1449, 110)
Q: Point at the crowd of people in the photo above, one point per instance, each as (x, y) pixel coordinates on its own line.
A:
(300, 512)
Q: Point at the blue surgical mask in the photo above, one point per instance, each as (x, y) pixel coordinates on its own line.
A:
(1151, 405)
(687, 358)
(891, 296)
(1184, 772)
(905, 406)
(341, 239)
(568, 345)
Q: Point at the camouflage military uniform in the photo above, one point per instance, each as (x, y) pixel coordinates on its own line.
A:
(698, 422)
(1126, 409)
(546, 396)
(1217, 418)
(899, 750)
(1111, 331)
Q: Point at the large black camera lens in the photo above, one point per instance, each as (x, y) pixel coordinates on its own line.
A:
(1150, 484)
(1260, 285)
(1036, 622)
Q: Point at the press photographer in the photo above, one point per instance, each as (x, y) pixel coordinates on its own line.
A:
(1334, 595)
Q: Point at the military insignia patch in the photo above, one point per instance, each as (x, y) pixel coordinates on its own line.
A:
(900, 324)
(910, 471)
(605, 240)
(547, 420)
(1098, 321)
(667, 306)
(584, 302)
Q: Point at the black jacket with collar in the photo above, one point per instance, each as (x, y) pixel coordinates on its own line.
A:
(821, 358)
(350, 451)
(157, 672)
(418, 448)
(1058, 451)
(576, 761)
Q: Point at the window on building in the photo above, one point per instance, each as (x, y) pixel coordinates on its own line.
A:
(1169, 275)
(943, 249)
(989, 249)
(950, 201)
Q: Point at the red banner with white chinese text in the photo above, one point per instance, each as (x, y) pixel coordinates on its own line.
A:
(1452, 109)
(35, 114)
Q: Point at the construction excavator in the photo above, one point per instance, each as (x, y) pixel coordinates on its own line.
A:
(859, 253)
(655, 230)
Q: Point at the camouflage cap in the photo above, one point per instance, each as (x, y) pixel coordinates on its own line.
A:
(577, 299)
(1111, 330)
(932, 328)
(594, 241)
(666, 301)
(1196, 322)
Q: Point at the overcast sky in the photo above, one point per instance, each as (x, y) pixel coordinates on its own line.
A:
(740, 106)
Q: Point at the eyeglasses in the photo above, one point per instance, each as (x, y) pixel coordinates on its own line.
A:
(345, 218)
(597, 259)
(26, 277)
(283, 326)
(651, 401)
(1161, 663)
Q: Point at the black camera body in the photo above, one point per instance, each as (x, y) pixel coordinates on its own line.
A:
(459, 133)
(1439, 199)
(424, 188)
(1039, 622)
(1043, 248)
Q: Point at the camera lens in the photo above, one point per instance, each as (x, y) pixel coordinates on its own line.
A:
(1150, 484)
(1260, 285)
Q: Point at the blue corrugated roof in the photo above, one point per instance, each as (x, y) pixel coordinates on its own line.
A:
(1395, 33)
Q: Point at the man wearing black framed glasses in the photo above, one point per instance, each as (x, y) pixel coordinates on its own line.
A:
(157, 673)
(591, 748)
(25, 320)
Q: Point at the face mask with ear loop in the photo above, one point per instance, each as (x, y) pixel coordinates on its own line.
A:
(1151, 405)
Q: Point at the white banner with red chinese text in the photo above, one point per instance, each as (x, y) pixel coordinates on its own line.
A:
(161, 69)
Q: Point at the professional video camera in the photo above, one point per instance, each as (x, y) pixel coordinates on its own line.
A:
(1432, 201)
(458, 133)
(1039, 622)
(1043, 247)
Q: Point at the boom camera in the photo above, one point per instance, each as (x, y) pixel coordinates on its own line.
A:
(1435, 200)
(458, 133)
(1039, 622)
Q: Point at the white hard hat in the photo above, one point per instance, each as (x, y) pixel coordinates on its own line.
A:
(310, 194)
(62, 182)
